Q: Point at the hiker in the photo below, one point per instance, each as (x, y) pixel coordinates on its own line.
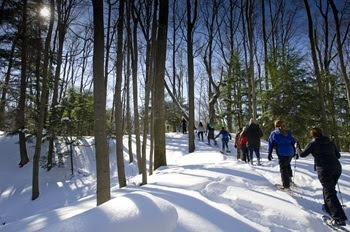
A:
(283, 142)
(253, 134)
(242, 145)
(326, 158)
(210, 133)
(239, 150)
(184, 124)
(225, 136)
(200, 131)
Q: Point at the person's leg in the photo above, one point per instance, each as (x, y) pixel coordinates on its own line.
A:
(283, 162)
(328, 180)
(251, 150)
(223, 145)
(257, 153)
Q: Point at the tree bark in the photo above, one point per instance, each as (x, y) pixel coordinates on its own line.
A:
(118, 100)
(42, 109)
(21, 121)
(159, 114)
(316, 69)
(6, 85)
(101, 145)
(134, 60)
(340, 51)
(190, 29)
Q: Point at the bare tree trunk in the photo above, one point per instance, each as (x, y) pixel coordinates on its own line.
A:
(102, 155)
(134, 60)
(249, 19)
(190, 28)
(21, 121)
(118, 100)
(340, 51)
(42, 109)
(316, 69)
(6, 85)
(159, 114)
(54, 117)
(266, 61)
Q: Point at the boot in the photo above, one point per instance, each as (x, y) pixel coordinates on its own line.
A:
(259, 162)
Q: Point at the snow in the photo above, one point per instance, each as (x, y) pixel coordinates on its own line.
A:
(201, 191)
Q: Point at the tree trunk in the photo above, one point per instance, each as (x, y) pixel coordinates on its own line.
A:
(118, 100)
(190, 28)
(316, 69)
(6, 85)
(249, 18)
(21, 121)
(340, 51)
(101, 145)
(134, 63)
(159, 114)
(42, 109)
(265, 45)
(54, 117)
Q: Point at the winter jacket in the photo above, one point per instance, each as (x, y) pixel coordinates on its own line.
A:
(325, 153)
(284, 145)
(225, 135)
(201, 129)
(253, 134)
(210, 131)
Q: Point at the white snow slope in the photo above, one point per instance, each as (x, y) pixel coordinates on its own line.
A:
(201, 191)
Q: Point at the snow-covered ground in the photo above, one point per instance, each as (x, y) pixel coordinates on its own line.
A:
(201, 191)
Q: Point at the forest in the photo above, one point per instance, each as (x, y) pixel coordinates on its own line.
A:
(114, 68)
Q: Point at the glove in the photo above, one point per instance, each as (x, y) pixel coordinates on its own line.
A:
(296, 156)
(270, 157)
(235, 146)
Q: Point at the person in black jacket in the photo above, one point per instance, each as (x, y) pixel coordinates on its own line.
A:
(328, 169)
(253, 134)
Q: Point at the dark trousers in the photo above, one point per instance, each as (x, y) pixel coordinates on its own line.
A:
(224, 144)
(200, 134)
(255, 149)
(285, 169)
(329, 179)
(245, 156)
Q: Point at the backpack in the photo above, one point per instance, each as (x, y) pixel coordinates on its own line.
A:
(242, 141)
(225, 136)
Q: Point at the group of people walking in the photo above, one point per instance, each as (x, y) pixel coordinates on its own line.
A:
(325, 153)
(247, 142)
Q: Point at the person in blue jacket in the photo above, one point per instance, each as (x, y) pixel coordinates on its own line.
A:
(225, 137)
(283, 142)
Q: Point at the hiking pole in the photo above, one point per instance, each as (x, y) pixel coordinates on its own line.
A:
(341, 198)
(295, 167)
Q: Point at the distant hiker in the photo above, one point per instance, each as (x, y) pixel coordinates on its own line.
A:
(253, 134)
(283, 142)
(328, 169)
(242, 145)
(184, 126)
(210, 133)
(239, 150)
(225, 136)
(200, 131)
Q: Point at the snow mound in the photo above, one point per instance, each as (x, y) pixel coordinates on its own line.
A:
(133, 212)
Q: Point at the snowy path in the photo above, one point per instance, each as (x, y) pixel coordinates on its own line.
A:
(210, 191)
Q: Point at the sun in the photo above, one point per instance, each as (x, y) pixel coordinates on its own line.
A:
(45, 12)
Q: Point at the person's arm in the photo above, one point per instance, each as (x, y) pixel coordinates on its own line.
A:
(218, 134)
(307, 150)
(270, 145)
